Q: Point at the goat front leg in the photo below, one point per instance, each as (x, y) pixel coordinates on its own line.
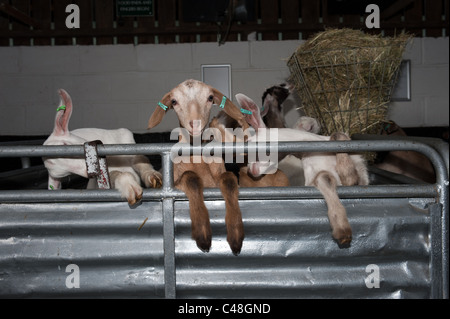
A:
(127, 185)
(192, 185)
(149, 176)
(344, 165)
(233, 217)
(341, 231)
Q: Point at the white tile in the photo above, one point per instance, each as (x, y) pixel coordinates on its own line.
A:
(435, 50)
(13, 120)
(437, 111)
(272, 54)
(413, 51)
(25, 88)
(9, 60)
(164, 57)
(108, 58)
(429, 80)
(408, 114)
(234, 53)
(50, 60)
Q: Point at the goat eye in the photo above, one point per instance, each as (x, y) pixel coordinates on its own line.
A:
(211, 98)
(174, 102)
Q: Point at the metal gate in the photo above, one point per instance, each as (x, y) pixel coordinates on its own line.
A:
(80, 243)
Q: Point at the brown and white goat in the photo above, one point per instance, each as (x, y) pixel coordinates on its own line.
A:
(192, 102)
(246, 178)
(272, 105)
(125, 171)
(290, 168)
(325, 171)
(271, 111)
(272, 117)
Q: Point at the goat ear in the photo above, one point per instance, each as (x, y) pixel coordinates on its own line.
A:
(159, 112)
(63, 113)
(254, 119)
(268, 102)
(231, 109)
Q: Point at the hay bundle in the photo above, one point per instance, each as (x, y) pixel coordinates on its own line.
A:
(345, 78)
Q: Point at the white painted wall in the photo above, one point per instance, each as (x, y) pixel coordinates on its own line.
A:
(116, 86)
(429, 105)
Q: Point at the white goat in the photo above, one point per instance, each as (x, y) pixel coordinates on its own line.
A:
(325, 171)
(292, 165)
(125, 170)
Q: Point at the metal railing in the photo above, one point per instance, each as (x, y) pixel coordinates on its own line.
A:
(168, 194)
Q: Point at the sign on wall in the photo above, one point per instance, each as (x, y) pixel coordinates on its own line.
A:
(133, 8)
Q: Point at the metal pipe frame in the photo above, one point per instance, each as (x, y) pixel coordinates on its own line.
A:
(168, 194)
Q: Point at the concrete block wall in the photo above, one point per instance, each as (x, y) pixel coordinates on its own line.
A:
(429, 105)
(116, 86)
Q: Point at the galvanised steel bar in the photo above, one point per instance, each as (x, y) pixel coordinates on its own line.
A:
(168, 212)
(82, 195)
(287, 147)
(169, 248)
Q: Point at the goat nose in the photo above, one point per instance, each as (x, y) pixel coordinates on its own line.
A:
(195, 124)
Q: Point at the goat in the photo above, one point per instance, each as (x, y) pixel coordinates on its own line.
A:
(271, 113)
(408, 163)
(272, 109)
(307, 124)
(125, 170)
(192, 101)
(246, 179)
(291, 165)
(325, 171)
(290, 168)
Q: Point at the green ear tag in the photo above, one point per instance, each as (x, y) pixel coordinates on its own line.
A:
(246, 111)
(62, 107)
(224, 100)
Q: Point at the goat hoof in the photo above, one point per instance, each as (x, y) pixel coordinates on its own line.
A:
(343, 237)
(235, 247)
(134, 198)
(204, 244)
(154, 180)
(203, 239)
(235, 242)
(135, 201)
